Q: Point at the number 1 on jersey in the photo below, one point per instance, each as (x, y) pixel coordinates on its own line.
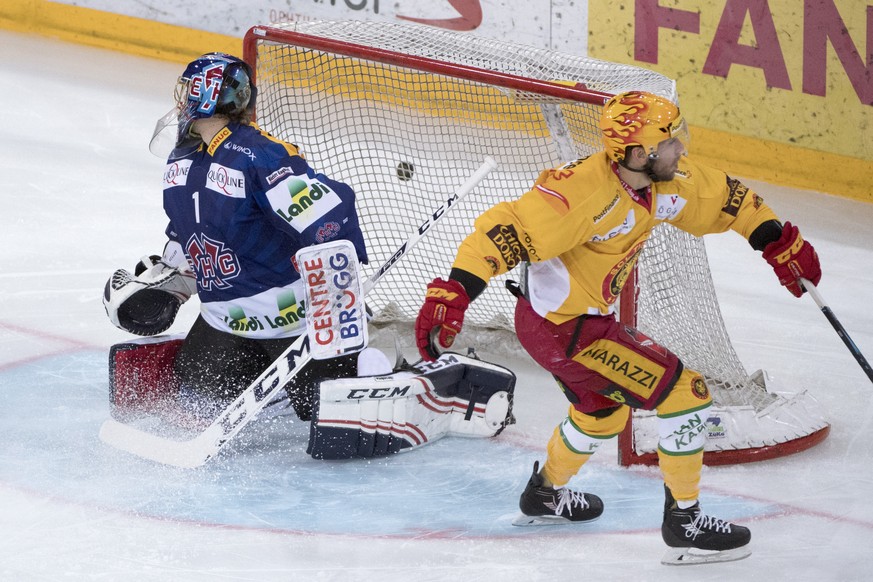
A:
(196, 197)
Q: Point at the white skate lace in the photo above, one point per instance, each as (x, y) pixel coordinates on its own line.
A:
(703, 522)
(570, 499)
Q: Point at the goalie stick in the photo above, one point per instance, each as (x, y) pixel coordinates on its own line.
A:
(198, 450)
(841, 331)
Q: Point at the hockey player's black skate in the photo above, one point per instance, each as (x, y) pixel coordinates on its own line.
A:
(541, 505)
(695, 538)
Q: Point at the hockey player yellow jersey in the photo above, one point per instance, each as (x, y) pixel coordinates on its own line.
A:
(582, 228)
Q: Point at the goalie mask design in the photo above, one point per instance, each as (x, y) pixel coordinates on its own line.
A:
(637, 118)
(213, 84)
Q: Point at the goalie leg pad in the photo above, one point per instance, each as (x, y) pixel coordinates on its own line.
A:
(364, 417)
(481, 393)
(377, 416)
(141, 377)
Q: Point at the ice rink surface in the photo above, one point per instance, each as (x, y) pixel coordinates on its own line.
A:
(81, 198)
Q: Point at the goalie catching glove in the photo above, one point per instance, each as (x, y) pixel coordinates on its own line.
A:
(441, 317)
(792, 258)
(146, 302)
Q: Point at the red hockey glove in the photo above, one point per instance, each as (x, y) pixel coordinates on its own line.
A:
(444, 305)
(792, 257)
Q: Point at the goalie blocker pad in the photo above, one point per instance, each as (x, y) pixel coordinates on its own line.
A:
(374, 416)
(336, 322)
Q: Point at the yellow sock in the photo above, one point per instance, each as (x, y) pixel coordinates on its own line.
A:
(575, 440)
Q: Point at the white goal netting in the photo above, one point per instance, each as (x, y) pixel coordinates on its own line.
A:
(404, 113)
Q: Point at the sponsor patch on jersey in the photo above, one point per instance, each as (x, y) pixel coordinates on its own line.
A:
(216, 141)
(244, 150)
(279, 174)
(226, 181)
(617, 276)
(736, 194)
(276, 312)
(600, 215)
(668, 206)
(505, 238)
(176, 174)
(238, 321)
(628, 225)
(301, 201)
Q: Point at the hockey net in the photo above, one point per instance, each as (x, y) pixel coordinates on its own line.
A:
(404, 112)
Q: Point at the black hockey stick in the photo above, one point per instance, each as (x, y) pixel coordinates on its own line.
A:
(841, 331)
(196, 451)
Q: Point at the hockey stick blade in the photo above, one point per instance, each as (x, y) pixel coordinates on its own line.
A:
(841, 331)
(198, 450)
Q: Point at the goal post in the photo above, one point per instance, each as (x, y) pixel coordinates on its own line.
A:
(400, 111)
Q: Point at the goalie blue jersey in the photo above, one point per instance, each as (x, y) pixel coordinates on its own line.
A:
(241, 207)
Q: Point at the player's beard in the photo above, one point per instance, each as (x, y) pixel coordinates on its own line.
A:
(661, 172)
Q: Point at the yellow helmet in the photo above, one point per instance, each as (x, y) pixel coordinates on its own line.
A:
(637, 118)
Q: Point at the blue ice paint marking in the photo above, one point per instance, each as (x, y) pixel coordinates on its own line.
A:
(458, 488)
